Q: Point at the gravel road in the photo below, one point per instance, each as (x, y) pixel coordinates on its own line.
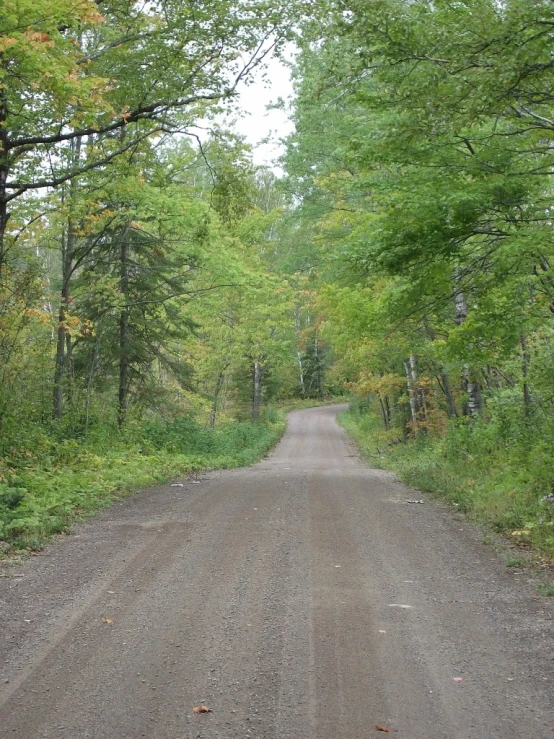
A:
(303, 597)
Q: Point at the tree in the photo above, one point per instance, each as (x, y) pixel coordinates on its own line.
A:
(143, 70)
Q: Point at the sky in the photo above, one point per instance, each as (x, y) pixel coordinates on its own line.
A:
(256, 123)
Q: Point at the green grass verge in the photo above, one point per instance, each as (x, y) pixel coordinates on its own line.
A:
(42, 495)
(498, 482)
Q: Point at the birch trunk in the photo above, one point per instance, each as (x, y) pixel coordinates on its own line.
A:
(298, 326)
(470, 383)
(319, 373)
(411, 393)
(257, 391)
(421, 402)
(301, 374)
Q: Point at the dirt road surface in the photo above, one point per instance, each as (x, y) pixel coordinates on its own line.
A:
(301, 598)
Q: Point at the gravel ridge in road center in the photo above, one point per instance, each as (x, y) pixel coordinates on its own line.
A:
(301, 598)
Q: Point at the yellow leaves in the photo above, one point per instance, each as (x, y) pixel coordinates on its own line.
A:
(74, 325)
(385, 384)
(520, 533)
(43, 316)
(6, 42)
(202, 709)
(108, 620)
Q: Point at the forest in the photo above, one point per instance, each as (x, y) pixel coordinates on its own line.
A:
(162, 297)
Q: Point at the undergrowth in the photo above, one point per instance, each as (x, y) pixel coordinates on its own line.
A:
(47, 482)
(497, 470)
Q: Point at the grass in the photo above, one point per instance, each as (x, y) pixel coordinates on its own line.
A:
(494, 472)
(514, 562)
(42, 491)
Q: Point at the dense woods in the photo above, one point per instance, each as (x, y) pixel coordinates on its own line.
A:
(158, 290)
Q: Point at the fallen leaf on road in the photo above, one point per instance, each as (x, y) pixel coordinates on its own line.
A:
(378, 727)
(458, 679)
(108, 620)
(382, 631)
(201, 709)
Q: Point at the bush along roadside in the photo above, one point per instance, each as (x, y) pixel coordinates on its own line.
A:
(504, 480)
(43, 491)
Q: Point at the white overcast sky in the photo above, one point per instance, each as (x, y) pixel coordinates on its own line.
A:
(256, 122)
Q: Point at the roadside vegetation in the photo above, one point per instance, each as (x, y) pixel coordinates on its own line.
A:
(494, 470)
(46, 488)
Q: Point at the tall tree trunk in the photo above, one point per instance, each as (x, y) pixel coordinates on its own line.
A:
(59, 369)
(412, 395)
(215, 397)
(91, 377)
(525, 360)
(442, 378)
(419, 392)
(474, 396)
(69, 246)
(4, 171)
(301, 374)
(257, 391)
(444, 384)
(384, 412)
(470, 382)
(69, 367)
(123, 333)
(387, 409)
(318, 368)
(297, 324)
